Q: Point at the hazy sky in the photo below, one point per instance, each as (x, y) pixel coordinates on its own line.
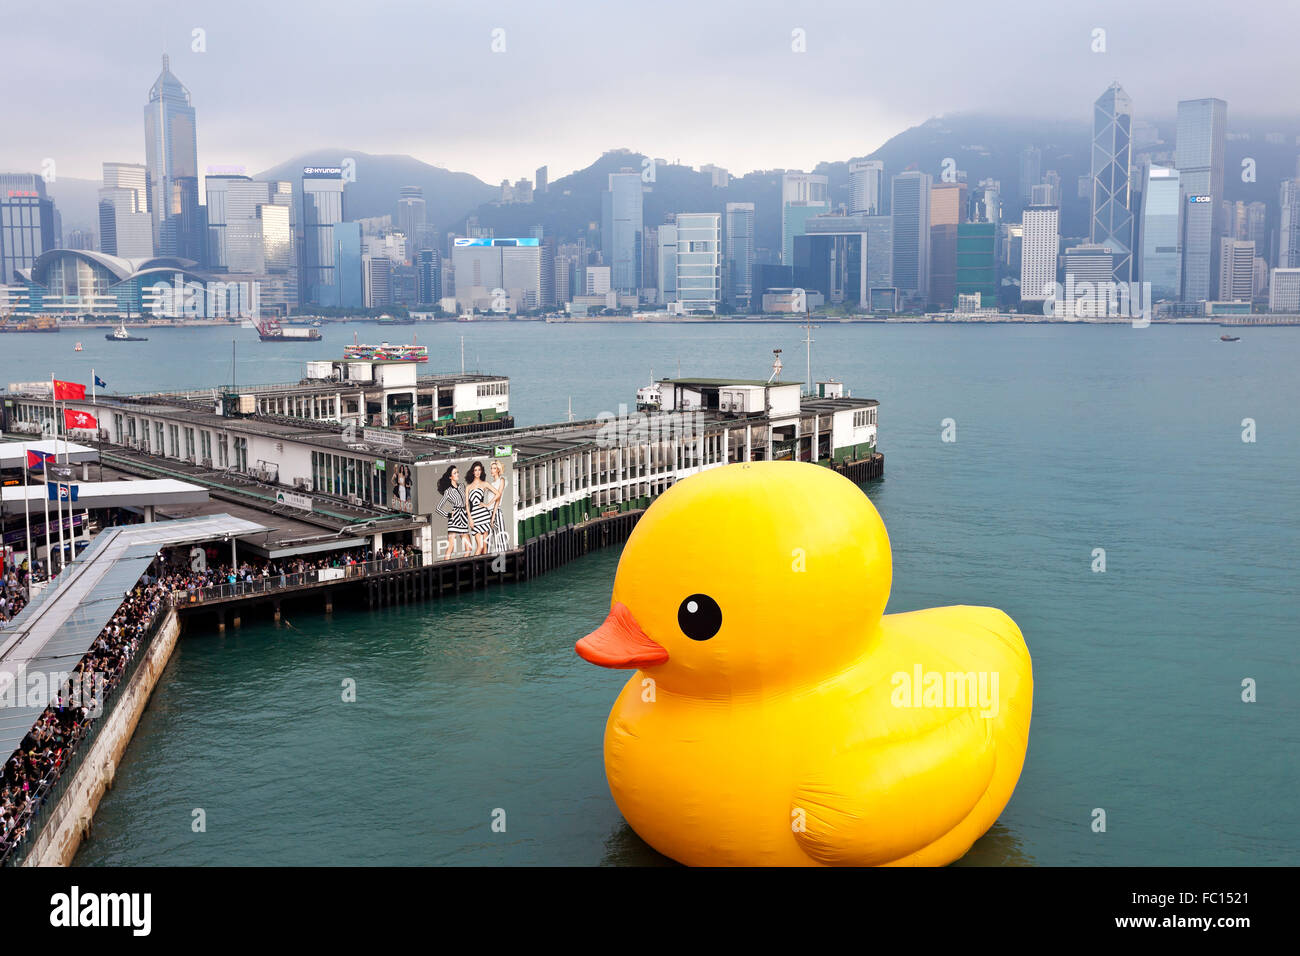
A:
(693, 80)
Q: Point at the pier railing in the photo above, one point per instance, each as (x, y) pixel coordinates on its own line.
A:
(51, 790)
(289, 581)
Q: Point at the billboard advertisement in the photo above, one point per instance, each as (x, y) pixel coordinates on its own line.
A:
(470, 503)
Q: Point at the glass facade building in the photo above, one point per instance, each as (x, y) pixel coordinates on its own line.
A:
(910, 205)
(1160, 261)
(27, 225)
(622, 222)
(1112, 216)
(1198, 155)
(322, 209)
(803, 195)
(699, 261)
(977, 261)
(739, 255)
(171, 160)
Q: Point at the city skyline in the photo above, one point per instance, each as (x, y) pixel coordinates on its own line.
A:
(462, 81)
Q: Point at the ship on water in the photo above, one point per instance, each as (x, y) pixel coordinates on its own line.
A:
(270, 330)
(120, 334)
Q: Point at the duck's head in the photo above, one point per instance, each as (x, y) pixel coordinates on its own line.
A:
(746, 577)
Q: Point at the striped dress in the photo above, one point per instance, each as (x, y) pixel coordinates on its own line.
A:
(480, 510)
(453, 506)
(499, 540)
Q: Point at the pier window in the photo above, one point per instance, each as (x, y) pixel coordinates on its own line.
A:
(159, 440)
(117, 428)
(223, 451)
(189, 444)
(206, 443)
(241, 454)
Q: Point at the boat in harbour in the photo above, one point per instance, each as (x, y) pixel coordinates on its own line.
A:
(120, 334)
(1229, 338)
(77, 347)
(270, 330)
(384, 352)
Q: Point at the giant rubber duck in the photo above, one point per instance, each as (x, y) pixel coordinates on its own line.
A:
(777, 716)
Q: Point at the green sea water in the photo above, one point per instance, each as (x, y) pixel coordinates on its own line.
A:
(1069, 438)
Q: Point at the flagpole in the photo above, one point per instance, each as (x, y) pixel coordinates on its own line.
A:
(94, 399)
(49, 542)
(27, 517)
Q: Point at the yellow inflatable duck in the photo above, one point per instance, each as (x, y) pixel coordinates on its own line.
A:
(776, 717)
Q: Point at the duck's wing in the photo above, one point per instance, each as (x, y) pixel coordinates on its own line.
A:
(910, 770)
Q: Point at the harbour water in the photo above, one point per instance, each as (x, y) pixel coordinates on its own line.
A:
(1069, 438)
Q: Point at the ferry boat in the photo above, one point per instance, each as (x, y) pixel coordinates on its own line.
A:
(386, 352)
(77, 347)
(1229, 338)
(120, 334)
(272, 331)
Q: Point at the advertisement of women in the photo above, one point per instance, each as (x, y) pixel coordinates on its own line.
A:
(470, 503)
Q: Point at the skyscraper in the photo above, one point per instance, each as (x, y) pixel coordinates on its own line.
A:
(27, 224)
(428, 277)
(1236, 270)
(803, 195)
(1039, 249)
(540, 178)
(910, 202)
(125, 226)
(1031, 165)
(1199, 157)
(622, 219)
(947, 210)
(1112, 216)
(699, 261)
(1288, 227)
(322, 208)
(866, 187)
(1160, 261)
(171, 160)
(738, 256)
(411, 219)
(667, 263)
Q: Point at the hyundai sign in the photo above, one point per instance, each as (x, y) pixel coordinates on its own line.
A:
(322, 172)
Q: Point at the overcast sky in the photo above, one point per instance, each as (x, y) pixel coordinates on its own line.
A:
(694, 80)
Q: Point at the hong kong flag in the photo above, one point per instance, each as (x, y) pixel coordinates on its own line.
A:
(75, 419)
(68, 391)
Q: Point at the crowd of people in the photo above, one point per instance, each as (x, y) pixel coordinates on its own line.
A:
(44, 751)
(181, 575)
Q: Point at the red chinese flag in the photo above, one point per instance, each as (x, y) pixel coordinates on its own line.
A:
(75, 419)
(68, 391)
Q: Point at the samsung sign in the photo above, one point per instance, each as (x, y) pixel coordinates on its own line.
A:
(1200, 199)
(462, 242)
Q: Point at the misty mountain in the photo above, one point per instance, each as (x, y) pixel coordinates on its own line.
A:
(379, 181)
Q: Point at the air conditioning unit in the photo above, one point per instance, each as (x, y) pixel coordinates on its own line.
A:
(354, 500)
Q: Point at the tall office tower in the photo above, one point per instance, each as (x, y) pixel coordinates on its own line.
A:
(27, 224)
(377, 281)
(1112, 211)
(1198, 154)
(719, 178)
(650, 263)
(1236, 270)
(699, 261)
(546, 269)
(428, 277)
(1288, 226)
(738, 257)
(1284, 290)
(412, 220)
(125, 226)
(880, 253)
(1039, 248)
(622, 219)
(947, 210)
(667, 263)
(540, 180)
(322, 209)
(1052, 180)
(1031, 166)
(977, 262)
(986, 202)
(803, 195)
(1160, 257)
(171, 158)
(910, 202)
(1041, 195)
(866, 187)
(564, 269)
(523, 191)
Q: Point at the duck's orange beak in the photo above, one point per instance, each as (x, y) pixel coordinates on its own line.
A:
(620, 642)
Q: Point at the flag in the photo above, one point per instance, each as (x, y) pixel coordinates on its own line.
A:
(61, 491)
(59, 472)
(68, 391)
(36, 460)
(78, 419)
(100, 383)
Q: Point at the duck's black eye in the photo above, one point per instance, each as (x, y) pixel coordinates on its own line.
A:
(699, 617)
